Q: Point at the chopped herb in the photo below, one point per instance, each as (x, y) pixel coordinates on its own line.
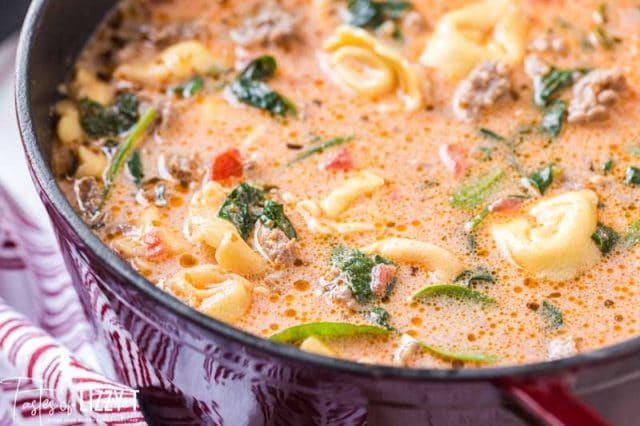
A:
(320, 148)
(455, 292)
(552, 316)
(134, 164)
(124, 149)
(475, 221)
(189, 88)
(475, 190)
(608, 166)
(544, 87)
(243, 207)
(632, 177)
(372, 14)
(249, 87)
(605, 238)
(492, 135)
(632, 237)
(381, 317)
(458, 356)
(298, 333)
(543, 178)
(100, 121)
(553, 117)
(160, 195)
(358, 268)
(273, 217)
(470, 277)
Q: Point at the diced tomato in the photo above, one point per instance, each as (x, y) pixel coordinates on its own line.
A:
(227, 164)
(340, 160)
(153, 242)
(381, 277)
(506, 204)
(453, 158)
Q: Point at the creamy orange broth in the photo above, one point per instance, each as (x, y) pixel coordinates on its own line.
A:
(599, 306)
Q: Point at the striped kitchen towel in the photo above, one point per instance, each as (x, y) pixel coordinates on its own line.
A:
(48, 370)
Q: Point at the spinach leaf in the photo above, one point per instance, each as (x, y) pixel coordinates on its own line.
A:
(124, 149)
(553, 117)
(455, 292)
(608, 166)
(632, 236)
(475, 190)
(605, 238)
(298, 333)
(320, 148)
(372, 14)
(249, 87)
(189, 88)
(246, 204)
(273, 217)
(381, 317)
(100, 121)
(632, 177)
(491, 134)
(135, 168)
(552, 316)
(243, 207)
(470, 277)
(458, 356)
(358, 267)
(543, 178)
(544, 87)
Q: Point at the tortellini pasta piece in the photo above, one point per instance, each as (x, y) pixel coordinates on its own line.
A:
(213, 291)
(315, 345)
(487, 30)
(91, 163)
(343, 196)
(87, 86)
(204, 225)
(69, 129)
(555, 243)
(178, 62)
(445, 265)
(365, 65)
(323, 217)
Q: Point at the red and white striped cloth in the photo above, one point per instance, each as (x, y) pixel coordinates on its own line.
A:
(48, 370)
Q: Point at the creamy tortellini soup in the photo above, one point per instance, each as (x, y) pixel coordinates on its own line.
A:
(424, 183)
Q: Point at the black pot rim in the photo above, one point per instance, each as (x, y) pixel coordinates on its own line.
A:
(45, 178)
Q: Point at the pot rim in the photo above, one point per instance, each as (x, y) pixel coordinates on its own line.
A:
(42, 174)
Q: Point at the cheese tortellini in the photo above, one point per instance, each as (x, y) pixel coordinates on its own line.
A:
(213, 291)
(445, 265)
(204, 225)
(366, 66)
(487, 30)
(176, 63)
(555, 243)
(323, 217)
(91, 163)
(69, 129)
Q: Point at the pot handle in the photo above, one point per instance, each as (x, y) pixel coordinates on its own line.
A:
(553, 403)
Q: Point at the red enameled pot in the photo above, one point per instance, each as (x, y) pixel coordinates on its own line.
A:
(192, 369)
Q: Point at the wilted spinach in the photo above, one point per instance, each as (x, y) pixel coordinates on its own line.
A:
(543, 178)
(250, 87)
(100, 121)
(605, 238)
(552, 316)
(134, 164)
(246, 204)
(381, 317)
(553, 117)
(358, 268)
(470, 277)
(372, 14)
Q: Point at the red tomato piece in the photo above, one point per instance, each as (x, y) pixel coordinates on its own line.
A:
(227, 164)
(340, 160)
(153, 242)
